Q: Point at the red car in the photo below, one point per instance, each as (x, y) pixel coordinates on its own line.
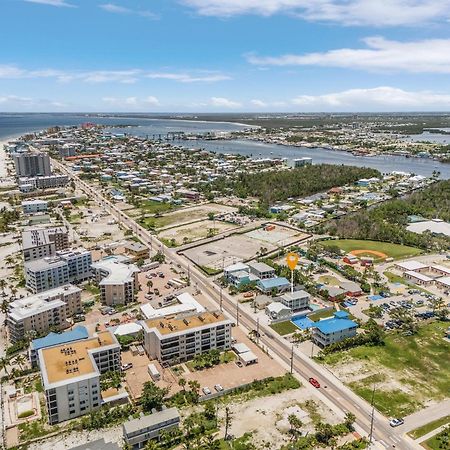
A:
(314, 382)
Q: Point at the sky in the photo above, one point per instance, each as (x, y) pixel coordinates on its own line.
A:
(224, 55)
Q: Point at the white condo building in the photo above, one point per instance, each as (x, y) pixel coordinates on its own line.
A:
(65, 267)
(71, 374)
(40, 243)
(172, 340)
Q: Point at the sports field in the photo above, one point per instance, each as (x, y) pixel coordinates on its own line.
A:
(377, 250)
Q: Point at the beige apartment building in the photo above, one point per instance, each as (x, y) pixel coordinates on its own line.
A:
(41, 312)
(71, 374)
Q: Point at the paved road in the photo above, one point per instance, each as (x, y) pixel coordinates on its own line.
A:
(335, 391)
(426, 415)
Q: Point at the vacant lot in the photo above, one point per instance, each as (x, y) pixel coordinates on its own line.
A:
(242, 247)
(391, 250)
(181, 216)
(185, 234)
(408, 371)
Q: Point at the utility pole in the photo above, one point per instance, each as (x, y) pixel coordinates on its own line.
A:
(237, 312)
(221, 297)
(372, 415)
(292, 359)
(257, 330)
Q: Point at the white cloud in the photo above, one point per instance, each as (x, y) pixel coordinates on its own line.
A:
(109, 76)
(347, 12)
(432, 56)
(223, 102)
(188, 78)
(117, 9)
(133, 102)
(383, 98)
(57, 3)
(258, 103)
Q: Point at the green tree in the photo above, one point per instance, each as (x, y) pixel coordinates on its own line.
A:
(152, 396)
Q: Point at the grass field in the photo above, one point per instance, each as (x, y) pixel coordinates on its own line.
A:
(425, 429)
(438, 442)
(395, 251)
(283, 328)
(329, 280)
(407, 370)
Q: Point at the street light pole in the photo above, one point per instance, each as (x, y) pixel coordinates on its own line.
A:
(292, 359)
(372, 415)
(237, 312)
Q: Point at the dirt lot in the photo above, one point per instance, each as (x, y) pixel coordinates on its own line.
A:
(195, 231)
(241, 247)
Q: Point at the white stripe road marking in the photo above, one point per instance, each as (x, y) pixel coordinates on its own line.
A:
(383, 444)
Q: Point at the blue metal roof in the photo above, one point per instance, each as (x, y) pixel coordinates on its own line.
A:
(334, 325)
(79, 332)
(270, 283)
(341, 314)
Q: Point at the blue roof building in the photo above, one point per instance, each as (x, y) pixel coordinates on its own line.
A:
(77, 333)
(280, 284)
(334, 329)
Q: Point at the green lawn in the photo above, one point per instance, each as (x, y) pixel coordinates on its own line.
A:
(419, 363)
(438, 442)
(152, 207)
(395, 251)
(283, 328)
(425, 429)
(393, 278)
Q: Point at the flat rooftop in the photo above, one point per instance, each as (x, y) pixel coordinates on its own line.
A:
(67, 361)
(172, 325)
(159, 417)
(118, 273)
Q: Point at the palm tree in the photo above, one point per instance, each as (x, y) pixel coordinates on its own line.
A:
(19, 360)
(182, 383)
(4, 363)
(2, 285)
(295, 424)
(152, 445)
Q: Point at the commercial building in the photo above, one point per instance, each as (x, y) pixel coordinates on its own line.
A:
(34, 206)
(409, 266)
(71, 374)
(65, 267)
(136, 250)
(32, 164)
(118, 281)
(295, 300)
(177, 340)
(76, 334)
(418, 278)
(443, 283)
(40, 312)
(335, 329)
(138, 432)
(40, 243)
(261, 270)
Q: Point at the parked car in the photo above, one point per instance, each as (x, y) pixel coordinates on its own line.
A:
(314, 382)
(218, 387)
(127, 366)
(396, 422)
(206, 390)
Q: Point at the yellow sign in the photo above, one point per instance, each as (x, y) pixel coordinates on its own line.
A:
(292, 260)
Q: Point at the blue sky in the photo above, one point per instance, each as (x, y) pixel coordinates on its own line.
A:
(225, 55)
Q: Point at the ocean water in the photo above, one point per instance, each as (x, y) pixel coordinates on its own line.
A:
(17, 124)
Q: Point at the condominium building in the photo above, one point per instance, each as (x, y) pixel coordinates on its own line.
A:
(174, 340)
(118, 281)
(261, 270)
(295, 300)
(65, 267)
(32, 164)
(71, 374)
(34, 206)
(29, 184)
(137, 432)
(40, 243)
(41, 312)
